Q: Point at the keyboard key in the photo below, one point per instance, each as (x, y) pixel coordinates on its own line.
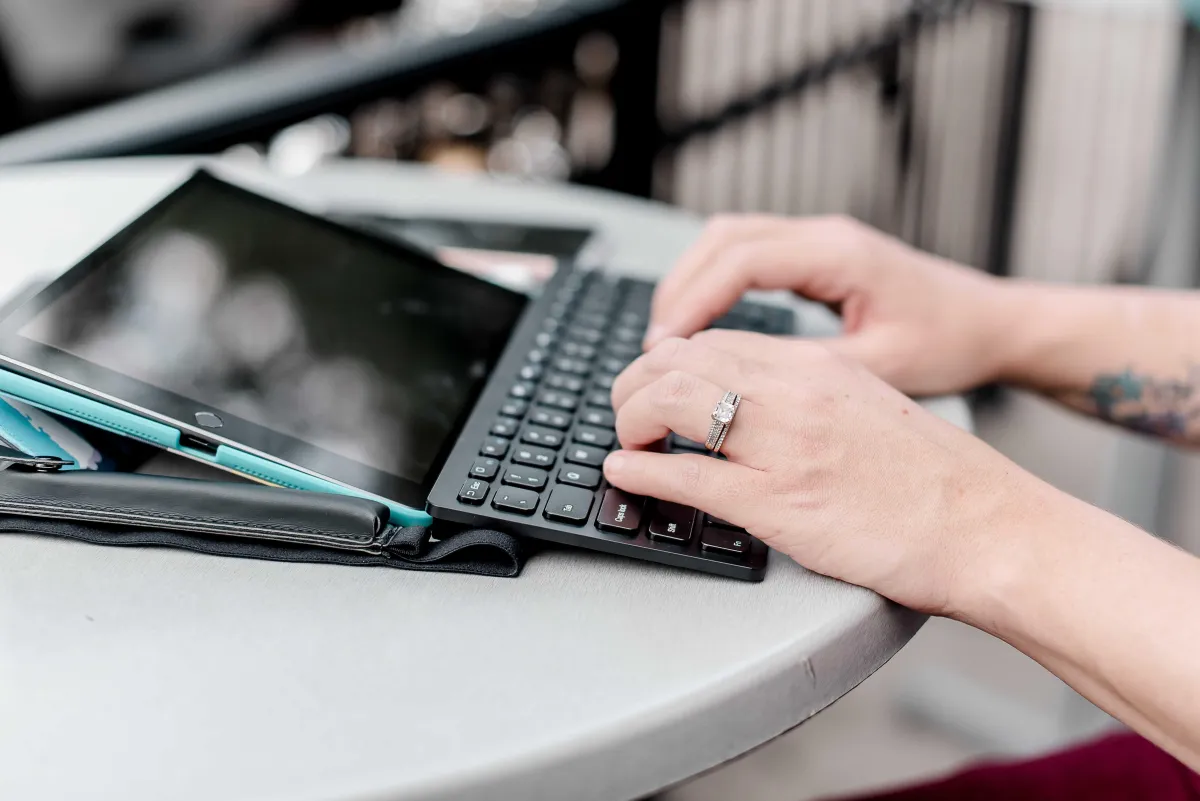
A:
(709, 520)
(485, 469)
(550, 418)
(672, 523)
(569, 505)
(546, 340)
(635, 287)
(518, 501)
(620, 512)
(588, 334)
(725, 541)
(494, 447)
(578, 350)
(576, 366)
(546, 437)
(587, 326)
(600, 437)
(628, 335)
(601, 418)
(531, 372)
(584, 477)
(604, 381)
(537, 356)
(527, 477)
(474, 492)
(623, 350)
(514, 408)
(505, 427)
(534, 457)
(599, 398)
(613, 365)
(586, 455)
(522, 391)
(564, 382)
(632, 319)
(599, 299)
(558, 400)
(601, 293)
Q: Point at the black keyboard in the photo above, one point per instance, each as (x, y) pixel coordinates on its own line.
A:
(530, 459)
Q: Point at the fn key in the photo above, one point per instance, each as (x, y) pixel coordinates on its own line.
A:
(725, 541)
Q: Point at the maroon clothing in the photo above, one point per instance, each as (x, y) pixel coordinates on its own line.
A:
(1122, 767)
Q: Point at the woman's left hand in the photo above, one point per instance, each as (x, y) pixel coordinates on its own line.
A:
(824, 462)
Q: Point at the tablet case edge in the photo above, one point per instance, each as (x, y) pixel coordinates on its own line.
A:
(119, 421)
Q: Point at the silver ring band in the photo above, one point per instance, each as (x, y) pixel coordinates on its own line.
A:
(722, 421)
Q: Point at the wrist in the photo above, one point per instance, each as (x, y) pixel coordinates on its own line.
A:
(1026, 319)
(1015, 551)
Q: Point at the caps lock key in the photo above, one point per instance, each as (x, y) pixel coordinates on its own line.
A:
(620, 513)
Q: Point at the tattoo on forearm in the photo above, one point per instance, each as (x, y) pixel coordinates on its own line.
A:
(1163, 407)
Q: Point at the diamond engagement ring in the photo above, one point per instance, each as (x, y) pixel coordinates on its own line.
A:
(722, 419)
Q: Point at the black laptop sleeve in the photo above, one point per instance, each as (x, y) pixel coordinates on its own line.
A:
(241, 520)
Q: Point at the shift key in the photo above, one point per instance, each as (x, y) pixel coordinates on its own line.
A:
(620, 513)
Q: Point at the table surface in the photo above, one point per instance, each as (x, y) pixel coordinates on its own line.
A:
(151, 674)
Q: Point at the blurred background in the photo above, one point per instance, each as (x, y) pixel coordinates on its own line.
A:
(1052, 140)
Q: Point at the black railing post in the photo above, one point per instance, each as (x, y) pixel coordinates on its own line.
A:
(1008, 149)
(637, 29)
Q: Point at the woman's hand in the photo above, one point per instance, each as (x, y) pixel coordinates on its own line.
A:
(825, 462)
(921, 323)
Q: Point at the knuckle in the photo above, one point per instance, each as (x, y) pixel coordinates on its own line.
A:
(824, 357)
(812, 353)
(816, 405)
(666, 354)
(675, 389)
(721, 224)
(708, 337)
(759, 372)
(743, 259)
(847, 237)
(842, 225)
(742, 254)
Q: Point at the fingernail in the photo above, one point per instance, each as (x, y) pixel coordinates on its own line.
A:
(656, 334)
(616, 461)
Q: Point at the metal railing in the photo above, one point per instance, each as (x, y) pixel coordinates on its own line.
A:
(910, 114)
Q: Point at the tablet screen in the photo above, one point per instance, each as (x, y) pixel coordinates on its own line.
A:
(251, 310)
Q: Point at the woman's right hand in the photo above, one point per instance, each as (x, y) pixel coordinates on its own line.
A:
(924, 324)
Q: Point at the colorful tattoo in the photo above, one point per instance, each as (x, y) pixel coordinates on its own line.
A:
(1165, 408)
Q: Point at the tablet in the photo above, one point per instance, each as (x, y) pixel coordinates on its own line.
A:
(254, 328)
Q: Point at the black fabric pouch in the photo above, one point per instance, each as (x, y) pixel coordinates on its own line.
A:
(241, 520)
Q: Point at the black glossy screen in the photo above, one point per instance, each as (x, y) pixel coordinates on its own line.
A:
(253, 310)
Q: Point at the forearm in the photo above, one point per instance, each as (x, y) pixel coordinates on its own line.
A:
(1108, 608)
(1127, 355)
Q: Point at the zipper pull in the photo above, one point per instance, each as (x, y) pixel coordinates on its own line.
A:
(12, 458)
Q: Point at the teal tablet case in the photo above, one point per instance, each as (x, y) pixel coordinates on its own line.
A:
(22, 434)
(119, 421)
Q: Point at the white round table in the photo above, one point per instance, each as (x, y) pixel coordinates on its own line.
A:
(157, 674)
